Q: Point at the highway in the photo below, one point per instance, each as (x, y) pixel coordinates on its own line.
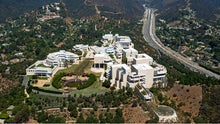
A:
(150, 37)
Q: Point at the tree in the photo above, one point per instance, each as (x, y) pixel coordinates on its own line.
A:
(199, 120)
(134, 104)
(160, 97)
(109, 117)
(155, 120)
(91, 119)
(71, 106)
(74, 113)
(106, 84)
(130, 92)
(124, 60)
(95, 107)
(118, 116)
(116, 103)
(42, 117)
(102, 118)
(80, 119)
(23, 115)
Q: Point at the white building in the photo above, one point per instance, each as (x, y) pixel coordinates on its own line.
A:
(101, 59)
(130, 52)
(38, 68)
(159, 73)
(119, 74)
(80, 47)
(144, 70)
(110, 50)
(124, 41)
(46, 67)
(144, 92)
(139, 68)
(58, 58)
(108, 37)
(143, 58)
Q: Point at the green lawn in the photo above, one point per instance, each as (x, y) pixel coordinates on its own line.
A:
(95, 88)
(78, 68)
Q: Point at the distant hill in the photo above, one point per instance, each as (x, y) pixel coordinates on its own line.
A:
(206, 9)
(13, 8)
(168, 9)
(128, 9)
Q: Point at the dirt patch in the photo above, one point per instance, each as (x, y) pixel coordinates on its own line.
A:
(174, 24)
(40, 83)
(32, 121)
(189, 98)
(6, 84)
(68, 20)
(60, 44)
(135, 114)
(74, 77)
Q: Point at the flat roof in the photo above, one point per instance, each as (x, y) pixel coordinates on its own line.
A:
(121, 65)
(142, 66)
(143, 55)
(99, 55)
(130, 50)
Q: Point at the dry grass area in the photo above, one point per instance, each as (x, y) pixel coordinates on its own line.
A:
(135, 114)
(189, 96)
(74, 77)
(40, 83)
(174, 24)
(130, 114)
(6, 84)
(32, 121)
(68, 20)
(87, 111)
(60, 44)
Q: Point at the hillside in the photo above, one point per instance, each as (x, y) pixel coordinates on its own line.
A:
(127, 9)
(169, 9)
(13, 8)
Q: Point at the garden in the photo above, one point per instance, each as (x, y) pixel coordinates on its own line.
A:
(77, 79)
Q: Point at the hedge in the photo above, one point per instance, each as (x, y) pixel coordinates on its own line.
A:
(47, 91)
(91, 80)
(56, 80)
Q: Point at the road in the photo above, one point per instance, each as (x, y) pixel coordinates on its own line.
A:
(25, 81)
(151, 38)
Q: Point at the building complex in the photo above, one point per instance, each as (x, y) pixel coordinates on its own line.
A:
(53, 61)
(136, 69)
(123, 65)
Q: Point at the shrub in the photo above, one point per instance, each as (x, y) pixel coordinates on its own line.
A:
(106, 84)
(47, 91)
(91, 80)
(56, 80)
(134, 104)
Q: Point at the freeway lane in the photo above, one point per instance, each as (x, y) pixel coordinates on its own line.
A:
(151, 38)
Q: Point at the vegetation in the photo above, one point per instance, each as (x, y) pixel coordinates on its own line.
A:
(177, 71)
(12, 97)
(155, 120)
(210, 105)
(106, 84)
(4, 116)
(89, 82)
(43, 117)
(22, 115)
(46, 90)
(56, 80)
(78, 52)
(124, 60)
